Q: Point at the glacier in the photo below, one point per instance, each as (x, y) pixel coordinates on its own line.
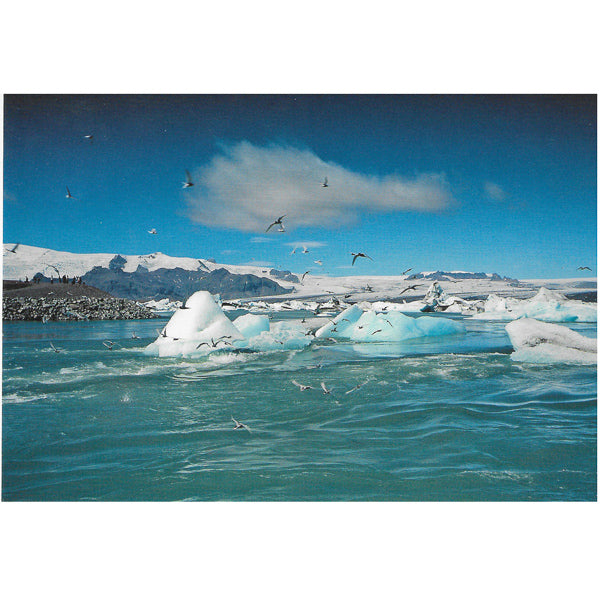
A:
(547, 343)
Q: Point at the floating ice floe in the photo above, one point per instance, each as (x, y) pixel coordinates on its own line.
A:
(203, 327)
(546, 305)
(538, 342)
(359, 326)
(162, 306)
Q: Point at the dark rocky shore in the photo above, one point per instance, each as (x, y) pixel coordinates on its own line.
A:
(65, 302)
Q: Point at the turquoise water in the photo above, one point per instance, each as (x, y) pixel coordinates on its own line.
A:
(448, 418)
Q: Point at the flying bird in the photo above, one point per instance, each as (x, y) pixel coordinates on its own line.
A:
(324, 387)
(89, 137)
(304, 275)
(583, 269)
(302, 387)
(325, 184)
(239, 425)
(109, 344)
(153, 232)
(54, 347)
(69, 195)
(319, 262)
(214, 344)
(14, 249)
(134, 336)
(410, 287)
(305, 250)
(359, 255)
(376, 331)
(276, 222)
(407, 271)
(368, 288)
(188, 180)
(357, 387)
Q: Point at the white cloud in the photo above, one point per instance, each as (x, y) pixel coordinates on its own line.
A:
(306, 244)
(247, 187)
(494, 192)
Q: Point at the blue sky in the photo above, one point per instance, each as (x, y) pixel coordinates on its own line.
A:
(501, 184)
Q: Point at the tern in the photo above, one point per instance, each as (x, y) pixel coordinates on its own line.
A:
(410, 287)
(152, 231)
(188, 180)
(69, 195)
(325, 183)
(14, 249)
(110, 344)
(359, 255)
(89, 137)
(134, 336)
(214, 344)
(376, 331)
(239, 425)
(302, 387)
(357, 387)
(583, 269)
(305, 250)
(276, 222)
(319, 262)
(324, 387)
(407, 271)
(388, 322)
(368, 288)
(162, 333)
(304, 275)
(54, 347)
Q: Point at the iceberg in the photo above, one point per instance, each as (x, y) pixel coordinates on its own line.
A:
(370, 326)
(539, 342)
(203, 323)
(546, 305)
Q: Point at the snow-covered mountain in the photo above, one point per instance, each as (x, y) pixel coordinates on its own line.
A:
(156, 276)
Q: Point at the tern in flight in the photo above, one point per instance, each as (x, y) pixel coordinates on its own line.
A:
(152, 231)
(69, 195)
(239, 425)
(109, 344)
(325, 183)
(302, 387)
(305, 250)
(410, 287)
(304, 275)
(324, 387)
(54, 347)
(277, 222)
(376, 331)
(134, 336)
(359, 255)
(188, 180)
(407, 271)
(319, 262)
(89, 137)
(357, 387)
(214, 344)
(14, 249)
(583, 269)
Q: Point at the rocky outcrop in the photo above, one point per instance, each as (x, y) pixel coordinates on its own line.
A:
(72, 309)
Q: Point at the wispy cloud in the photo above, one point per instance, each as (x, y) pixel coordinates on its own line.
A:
(306, 244)
(494, 192)
(247, 187)
(261, 240)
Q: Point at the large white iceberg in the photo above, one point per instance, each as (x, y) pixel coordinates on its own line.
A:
(546, 305)
(539, 342)
(395, 326)
(203, 327)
